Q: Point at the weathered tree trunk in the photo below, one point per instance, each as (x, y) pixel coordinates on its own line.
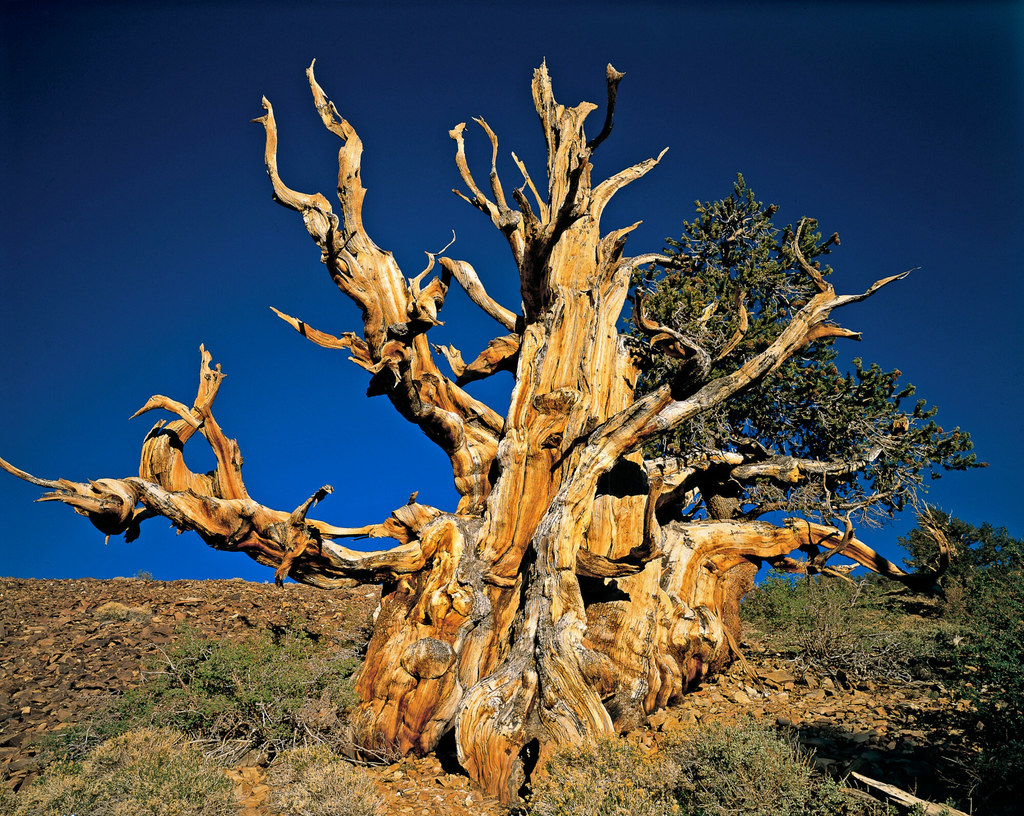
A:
(553, 606)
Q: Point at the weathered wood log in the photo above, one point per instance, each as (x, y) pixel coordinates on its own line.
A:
(556, 604)
(887, 792)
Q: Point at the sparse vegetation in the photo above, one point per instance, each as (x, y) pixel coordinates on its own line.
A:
(710, 771)
(8, 800)
(276, 691)
(851, 631)
(112, 610)
(151, 771)
(313, 781)
(279, 689)
(286, 691)
(973, 638)
(612, 777)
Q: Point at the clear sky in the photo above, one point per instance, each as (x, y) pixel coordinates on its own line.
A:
(137, 223)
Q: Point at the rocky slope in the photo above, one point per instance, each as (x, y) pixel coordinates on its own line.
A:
(65, 646)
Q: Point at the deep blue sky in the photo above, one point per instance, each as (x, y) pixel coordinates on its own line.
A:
(136, 220)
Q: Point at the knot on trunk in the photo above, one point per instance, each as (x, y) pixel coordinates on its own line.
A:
(428, 658)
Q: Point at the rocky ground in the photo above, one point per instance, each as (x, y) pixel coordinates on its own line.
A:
(65, 646)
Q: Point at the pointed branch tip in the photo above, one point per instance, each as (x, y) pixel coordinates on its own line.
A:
(28, 477)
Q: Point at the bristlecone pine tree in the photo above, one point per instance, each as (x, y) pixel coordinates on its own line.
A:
(578, 586)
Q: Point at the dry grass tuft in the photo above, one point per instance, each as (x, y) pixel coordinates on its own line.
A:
(716, 770)
(112, 610)
(313, 781)
(151, 771)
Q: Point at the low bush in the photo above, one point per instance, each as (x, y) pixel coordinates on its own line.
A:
(710, 771)
(991, 678)
(75, 741)
(150, 771)
(836, 627)
(607, 779)
(750, 769)
(313, 781)
(280, 689)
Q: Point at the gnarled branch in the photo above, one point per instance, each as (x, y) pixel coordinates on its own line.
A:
(818, 537)
(613, 78)
(396, 313)
(658, 412)
(470, 282)
(348, 341)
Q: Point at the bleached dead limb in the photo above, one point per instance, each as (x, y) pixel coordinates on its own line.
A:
(396, 312)
(468, 279)
(904, 798)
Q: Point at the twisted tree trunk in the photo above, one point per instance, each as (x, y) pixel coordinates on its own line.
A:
(553, 605)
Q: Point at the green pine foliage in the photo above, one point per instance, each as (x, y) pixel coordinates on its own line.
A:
(984, 594)
(977, 553)
(732, 253)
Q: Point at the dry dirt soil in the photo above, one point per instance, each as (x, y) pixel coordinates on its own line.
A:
(60, 658)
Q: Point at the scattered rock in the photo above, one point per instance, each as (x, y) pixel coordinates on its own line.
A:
(65, 646)
(877, 727)
(778, 677)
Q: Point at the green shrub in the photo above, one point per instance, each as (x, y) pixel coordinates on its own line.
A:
(779, 600)
(749, 769)
(984, 598)
(73, 742)
(313, 781)
(150, 771)
(610, 778)
(837, 627)
(269, 693)
(710, 771)
(991, 678)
